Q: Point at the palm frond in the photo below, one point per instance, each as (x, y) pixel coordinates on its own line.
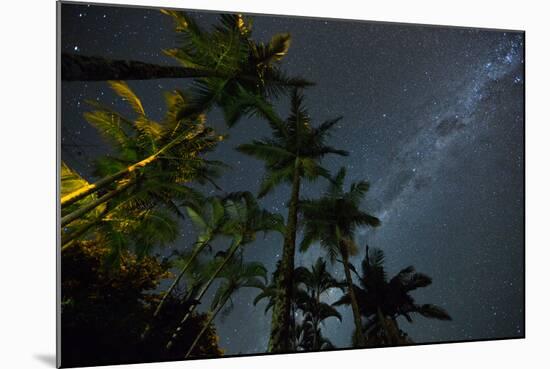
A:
(122, 89)
(433, 312)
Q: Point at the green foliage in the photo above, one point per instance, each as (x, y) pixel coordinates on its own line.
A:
(236, 275)
(241, 73)
(333, 219)
(307, 292)
(294, 144)
(143, 215)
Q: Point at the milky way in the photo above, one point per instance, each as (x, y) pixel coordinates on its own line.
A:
(433, 118)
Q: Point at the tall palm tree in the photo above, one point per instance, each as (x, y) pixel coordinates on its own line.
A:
(292, 152)
(235, 276)
(382, 301)
(152, 162)
(317, 281)
(332, 220)
(244, 219)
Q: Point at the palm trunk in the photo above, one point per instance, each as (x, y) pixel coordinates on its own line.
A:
(229, 256)
(173, 286)
(91, 68)
(394, 331)
(389, 329)
(354, 305)
(280, 321)
(315, 320)
(293, 336)
(93, 187)
(95, 203)
(82, 68)
(68, 241)
(206, 325)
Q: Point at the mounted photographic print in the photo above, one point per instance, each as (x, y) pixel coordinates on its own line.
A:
(247, 184)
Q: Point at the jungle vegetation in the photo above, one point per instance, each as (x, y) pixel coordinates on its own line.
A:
(122, 302)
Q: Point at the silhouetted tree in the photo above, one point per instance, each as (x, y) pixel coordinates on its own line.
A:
(382, 301)
(228, 68)
(332, 221)
(244, 219)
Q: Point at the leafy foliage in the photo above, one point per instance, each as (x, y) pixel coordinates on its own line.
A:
(317, 281)
(381, 300)
(145, 215)
(308, 311)
(244, 74)
(103, 311)
(333, 219)
(294, 144)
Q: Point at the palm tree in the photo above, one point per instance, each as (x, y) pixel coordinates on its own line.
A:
(119, 223)
(244, 219)
(293, 152)
(309, 286)
(208, 218)
(229, 68)
(235, 276)
(332, 220)
(317, 282)
(153, 162)
(246, 73)
(382, 301)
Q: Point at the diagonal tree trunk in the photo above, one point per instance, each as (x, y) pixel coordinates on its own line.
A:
(354, 305)
(84, 209)
(68, 240)
(76, 67)
(206, 325)
(279, 340)
(176, 281)
(230, 253)
(105, 181)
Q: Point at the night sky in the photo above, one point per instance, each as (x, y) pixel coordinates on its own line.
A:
(433, 118)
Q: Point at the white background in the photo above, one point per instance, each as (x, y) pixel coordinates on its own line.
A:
(27, 182)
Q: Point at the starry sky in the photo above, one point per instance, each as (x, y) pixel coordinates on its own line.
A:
(433, 118)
